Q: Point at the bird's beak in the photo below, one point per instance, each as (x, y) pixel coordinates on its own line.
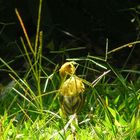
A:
(73, 62)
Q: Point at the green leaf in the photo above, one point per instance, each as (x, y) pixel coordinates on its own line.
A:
(113, 112)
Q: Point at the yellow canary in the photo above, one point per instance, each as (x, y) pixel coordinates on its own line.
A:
(71, 89)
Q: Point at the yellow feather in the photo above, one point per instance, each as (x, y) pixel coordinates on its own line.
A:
(71, 90)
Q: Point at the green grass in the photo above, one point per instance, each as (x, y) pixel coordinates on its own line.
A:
(30, 109)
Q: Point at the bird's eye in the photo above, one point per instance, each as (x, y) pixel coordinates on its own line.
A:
(69, 66)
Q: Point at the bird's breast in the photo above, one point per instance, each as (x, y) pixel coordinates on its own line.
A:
(72, 86)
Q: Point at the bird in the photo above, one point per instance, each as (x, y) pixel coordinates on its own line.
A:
(71, 90)
(71, 94)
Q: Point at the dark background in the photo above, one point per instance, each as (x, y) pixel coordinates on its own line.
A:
(90, 23)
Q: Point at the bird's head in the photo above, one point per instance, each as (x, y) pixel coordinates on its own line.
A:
(67, 68)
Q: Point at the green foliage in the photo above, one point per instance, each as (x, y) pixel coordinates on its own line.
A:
(29, 107)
